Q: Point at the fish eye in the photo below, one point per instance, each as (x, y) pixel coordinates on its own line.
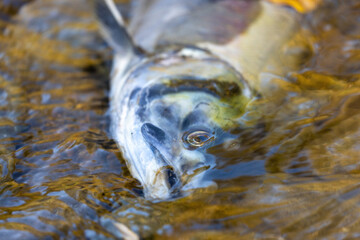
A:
(197, 139)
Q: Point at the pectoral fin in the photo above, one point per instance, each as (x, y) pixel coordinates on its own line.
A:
(113, 29)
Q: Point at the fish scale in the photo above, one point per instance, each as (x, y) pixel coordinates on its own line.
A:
(187, 60)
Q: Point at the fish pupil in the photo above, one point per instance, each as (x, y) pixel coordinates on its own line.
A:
(199, 139)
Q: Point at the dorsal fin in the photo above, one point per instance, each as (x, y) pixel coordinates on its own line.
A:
(113, 29)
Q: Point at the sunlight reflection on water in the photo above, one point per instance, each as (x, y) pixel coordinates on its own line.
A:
(62, 175)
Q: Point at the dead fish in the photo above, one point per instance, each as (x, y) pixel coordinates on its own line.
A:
(183, 74)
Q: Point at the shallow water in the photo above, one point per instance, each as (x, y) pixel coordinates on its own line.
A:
(295, 176)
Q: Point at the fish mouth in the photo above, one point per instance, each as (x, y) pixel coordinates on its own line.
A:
(165, 183)
(168, 183)
(167, 169)
(164, 180)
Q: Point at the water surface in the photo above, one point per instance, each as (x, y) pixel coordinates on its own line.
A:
(295, 176)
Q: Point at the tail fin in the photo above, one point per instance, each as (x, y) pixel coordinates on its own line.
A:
(113, 29)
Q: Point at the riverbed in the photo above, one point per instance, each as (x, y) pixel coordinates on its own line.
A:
(63, 177)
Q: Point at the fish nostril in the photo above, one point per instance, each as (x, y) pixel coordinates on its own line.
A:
(171, 177)
(152, 133)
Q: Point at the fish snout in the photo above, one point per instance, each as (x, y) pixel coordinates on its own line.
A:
(162, 180)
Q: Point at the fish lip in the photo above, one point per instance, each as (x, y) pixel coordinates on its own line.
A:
(187, 178)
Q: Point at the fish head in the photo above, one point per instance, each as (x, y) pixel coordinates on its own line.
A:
(174, 107)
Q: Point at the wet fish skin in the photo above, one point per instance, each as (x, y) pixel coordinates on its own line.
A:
(168, 106)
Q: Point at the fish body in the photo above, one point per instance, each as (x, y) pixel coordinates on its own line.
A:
(183, 75)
